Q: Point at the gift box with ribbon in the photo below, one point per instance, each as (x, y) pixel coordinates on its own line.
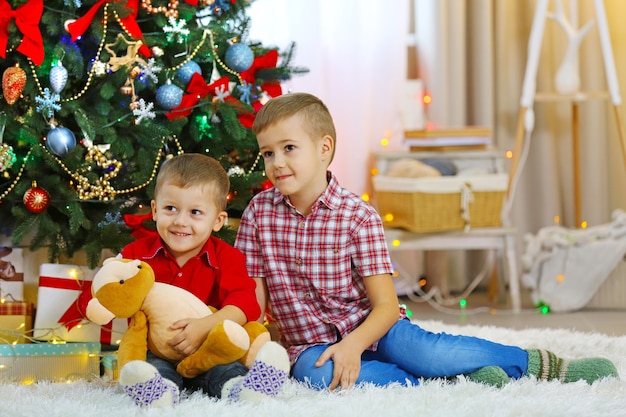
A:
(110, 367)
(11, 274)
(59, 362)
(64, 291)
(16, 321)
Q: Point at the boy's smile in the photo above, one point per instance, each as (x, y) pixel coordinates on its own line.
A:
(185, 218)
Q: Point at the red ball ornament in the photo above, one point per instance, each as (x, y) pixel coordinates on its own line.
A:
(36, 199)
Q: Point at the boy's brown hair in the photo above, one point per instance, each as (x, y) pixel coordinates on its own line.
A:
(317, 119)
(191, 169)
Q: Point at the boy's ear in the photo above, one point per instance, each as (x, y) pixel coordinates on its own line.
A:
(219, 221)
(328, 144)
(153, 209)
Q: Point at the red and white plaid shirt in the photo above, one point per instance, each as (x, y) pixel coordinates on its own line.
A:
(314, 265)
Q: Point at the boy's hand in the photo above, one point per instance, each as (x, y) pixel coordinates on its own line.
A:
(347, 364)
(192, 334)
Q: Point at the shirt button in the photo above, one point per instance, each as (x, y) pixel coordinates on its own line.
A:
(180, 274)
(302, 224)
(299, 261)
(307, 296)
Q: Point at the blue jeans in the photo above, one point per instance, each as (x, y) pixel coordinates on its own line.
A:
(211, 382)
(407, 353)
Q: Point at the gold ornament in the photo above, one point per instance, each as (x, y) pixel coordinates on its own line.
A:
(132, 50)
(135, 71)
(170, 11)
(126, 89)
(13, 83)
(102, 189)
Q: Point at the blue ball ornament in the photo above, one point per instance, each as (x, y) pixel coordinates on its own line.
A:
(187, 71)
(60, 141)
(169, 96)
(239, 57)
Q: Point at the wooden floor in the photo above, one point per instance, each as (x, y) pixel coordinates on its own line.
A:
(481, 309)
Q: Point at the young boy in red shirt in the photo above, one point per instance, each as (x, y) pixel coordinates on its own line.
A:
(189, 203)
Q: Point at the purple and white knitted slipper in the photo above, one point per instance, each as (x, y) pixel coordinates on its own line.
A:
(266, 377)
(147, 388)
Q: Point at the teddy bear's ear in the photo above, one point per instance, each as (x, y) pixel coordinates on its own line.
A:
(97, 313)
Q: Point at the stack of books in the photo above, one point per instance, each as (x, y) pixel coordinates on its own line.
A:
(453, 138)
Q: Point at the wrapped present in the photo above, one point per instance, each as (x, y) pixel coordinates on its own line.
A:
(11, 274)
(63, 293)
(16, 321)
(109, 366)
(27, 363)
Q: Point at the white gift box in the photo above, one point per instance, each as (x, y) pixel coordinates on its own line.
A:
(59, 289)
(11, 274)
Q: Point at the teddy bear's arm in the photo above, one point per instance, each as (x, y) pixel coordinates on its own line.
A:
(134, 343)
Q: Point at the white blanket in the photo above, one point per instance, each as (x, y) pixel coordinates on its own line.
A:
(565, 267)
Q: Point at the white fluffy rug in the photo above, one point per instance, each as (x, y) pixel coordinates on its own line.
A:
(524, 397)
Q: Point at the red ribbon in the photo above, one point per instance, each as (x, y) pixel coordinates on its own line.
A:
(136, 223)
(76, 312)
(80, 26)
(27, 17)
(197, 89)
(269, 60)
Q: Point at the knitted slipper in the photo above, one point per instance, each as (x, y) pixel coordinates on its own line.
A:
(489, 375)
(269, 372)
(546, 365)
(147, 388)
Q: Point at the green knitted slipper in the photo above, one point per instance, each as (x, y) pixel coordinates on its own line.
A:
(489, 375)
(546, 365)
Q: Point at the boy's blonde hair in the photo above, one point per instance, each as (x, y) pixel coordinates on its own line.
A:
(317, 119)
(191, 169)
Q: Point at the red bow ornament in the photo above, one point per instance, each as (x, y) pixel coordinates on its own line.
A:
(269, 60)
(27, 17)
(136, 224)
(78, 27)
(197, 89)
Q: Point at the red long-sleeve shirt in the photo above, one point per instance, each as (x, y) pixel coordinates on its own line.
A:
(217, 275)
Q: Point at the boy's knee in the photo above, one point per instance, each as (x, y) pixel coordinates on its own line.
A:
(304, 370)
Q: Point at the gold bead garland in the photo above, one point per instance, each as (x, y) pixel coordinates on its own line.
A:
(102, 190)
(219, 61)
(92, 70)
(17, 178)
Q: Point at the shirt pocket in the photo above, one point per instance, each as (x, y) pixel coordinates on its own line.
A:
(329, 269)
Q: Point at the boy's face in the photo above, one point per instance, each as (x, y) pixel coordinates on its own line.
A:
(295, 162)
(185, 218)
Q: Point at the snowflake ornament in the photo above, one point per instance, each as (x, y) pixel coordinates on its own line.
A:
(99, 68)
(176, 30)
(48, 103)
(143, 110)
(109, 218)
(221, 93)
(246, 92)
(236, 171)
(150, 70)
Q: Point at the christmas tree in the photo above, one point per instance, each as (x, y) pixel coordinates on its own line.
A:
(96, 95)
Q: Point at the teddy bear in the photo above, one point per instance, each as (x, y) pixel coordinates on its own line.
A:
(125, 288)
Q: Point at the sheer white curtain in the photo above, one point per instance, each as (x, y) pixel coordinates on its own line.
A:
(356, 53)
(473, 55)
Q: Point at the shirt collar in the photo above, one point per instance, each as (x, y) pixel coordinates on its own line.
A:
(207, 253)
(329, 198)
